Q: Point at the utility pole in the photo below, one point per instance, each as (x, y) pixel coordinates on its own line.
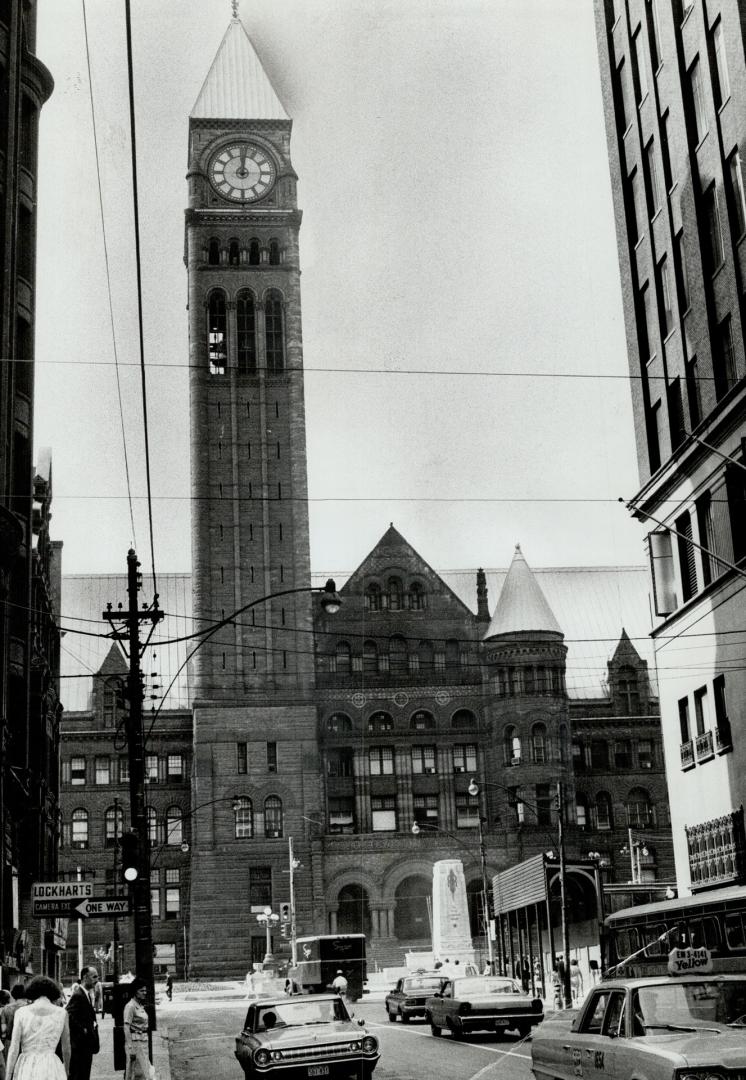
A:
(130, 632)
(115, 929)
(566, 984)
(293, 938)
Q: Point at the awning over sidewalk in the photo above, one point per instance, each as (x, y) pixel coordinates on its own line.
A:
(531, 881)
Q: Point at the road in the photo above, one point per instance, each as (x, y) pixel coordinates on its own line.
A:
(201, 1039)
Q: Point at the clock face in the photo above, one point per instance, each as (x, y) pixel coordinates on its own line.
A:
(242, 172)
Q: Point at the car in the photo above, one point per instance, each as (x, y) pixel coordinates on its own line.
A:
(409, 997)
(483, 1003)
(306, 1035)
(660, 1028)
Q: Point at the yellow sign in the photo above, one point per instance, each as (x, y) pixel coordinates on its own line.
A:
(689, 961)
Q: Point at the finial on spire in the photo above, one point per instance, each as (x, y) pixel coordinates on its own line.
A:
(517, 548)
(234, 6)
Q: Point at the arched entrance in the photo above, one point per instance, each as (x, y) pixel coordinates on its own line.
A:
(411, 918)
(353, 914)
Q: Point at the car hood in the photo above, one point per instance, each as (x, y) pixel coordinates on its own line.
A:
(338, 1031)
(728, 1048)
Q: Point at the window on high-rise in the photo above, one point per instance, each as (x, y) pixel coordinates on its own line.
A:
(735, 486)
(426, 810)
(246, 333)
(640, 65)
(675, 414)
(687, 562)
(696, 83)
(684, 727)
(274, 333)
(706, 537)
(639, 809)
(467, 810)
(654, 436)
(465, 758)
(694, 391)
(243, 818)
(174, 826)
(738, 193)
(217, 333)
(383, 813)
(702, 710)
(682, 274)
(102, 769)
(654, 36)
(341, 814)
(666, 304)
(714, 230)
(721, 79)
(423, 759)
(724, 359)
(622, 754)
(260, 886)
(273, 819)
(543, 804)
(79, 832)
(625, 95)
(381, 760)
(656, 193)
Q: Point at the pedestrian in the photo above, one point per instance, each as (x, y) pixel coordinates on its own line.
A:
(576, 980)
(37, 1030)
(136, 1024)
(169, 986)
(250, 983)
(84, 1042)
(8, 1011)
(339, 983)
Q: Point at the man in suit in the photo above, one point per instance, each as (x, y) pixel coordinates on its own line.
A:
(83, 1027)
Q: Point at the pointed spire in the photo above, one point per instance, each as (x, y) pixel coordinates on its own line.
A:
(522, 606)
(237, 86)
(625, 651)
(483, 611)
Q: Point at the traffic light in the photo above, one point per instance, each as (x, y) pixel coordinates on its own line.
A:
(283, 930)
(130, 855)
(284, 913)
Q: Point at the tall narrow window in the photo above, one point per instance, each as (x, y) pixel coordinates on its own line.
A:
(654, 178)
(113, 825)
(721, 79)
(735, 486)
(682, 274)
(271, 757)
(246, 329)
(675, 414)
(243, 818)
(274, 331)
(738, 193)
(664, 282)
(273, 816)
(684, 727)
(241, 757)
(274, 253)
(174, 826)
(724, 360)
(687, 561)
(254, 253)
(701, 710)
(213, 253)
(706, 537)
(694, 391)
(698, 100)
(233, 256)
(217, 333)
(654, 436)
(654, 33)
(714, 231)
(383, 813)
(640, 69)
(79, 834)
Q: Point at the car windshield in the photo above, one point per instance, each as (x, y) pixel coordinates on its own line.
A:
(300, 1012)
(690, 1005)
(486, 985)
(425, 982)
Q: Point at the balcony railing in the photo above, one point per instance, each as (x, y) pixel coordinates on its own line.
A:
(723, 739)
(687, 754)
(704, 746)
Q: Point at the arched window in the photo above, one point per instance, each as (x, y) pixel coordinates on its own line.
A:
(380, 721)
(463, 718)
(370, 657)
(422, 720)
(274, 333)
(373, 597)
(233, 253)
(273, 816)
(639, 809)
(539, 744)
(79, 831)
(581, 810)
(274, 253)
(512, 746)
(217, 333)
(425, 652)
(174, 826)
(243, 818)
(338, 723)
(604, 813)
(113, 825)
(246, 327)
(416, 596)
(213, 253)
(343, 657)
(254, 253)
(395, 594)
(152, 822)
(398, 655)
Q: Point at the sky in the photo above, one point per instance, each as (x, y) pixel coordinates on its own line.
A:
(457, 245)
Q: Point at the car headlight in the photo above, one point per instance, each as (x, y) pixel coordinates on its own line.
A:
(700, 1074)
(354, 1047)
(370, 1044)
(277, 1055)
(262, 1057)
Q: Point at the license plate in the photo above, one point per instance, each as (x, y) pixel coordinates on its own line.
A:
(501, 1023)
(318, 1070)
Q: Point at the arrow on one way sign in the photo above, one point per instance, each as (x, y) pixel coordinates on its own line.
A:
(103, 907)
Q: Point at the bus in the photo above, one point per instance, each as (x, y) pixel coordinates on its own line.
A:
(639, 939)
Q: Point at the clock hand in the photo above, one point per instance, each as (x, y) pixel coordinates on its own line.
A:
(244, 152)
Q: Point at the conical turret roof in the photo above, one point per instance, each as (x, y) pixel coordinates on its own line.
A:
(522, 606)
(237, 86)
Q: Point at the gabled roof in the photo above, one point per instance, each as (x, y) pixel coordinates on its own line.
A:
(391, 551)
(237, 86)
(625, 652)
(522, 606)
(114, 663)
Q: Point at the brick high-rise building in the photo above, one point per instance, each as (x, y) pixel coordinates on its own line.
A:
(674, 95)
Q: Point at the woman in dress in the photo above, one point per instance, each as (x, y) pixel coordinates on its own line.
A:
(136, 1033)
(37, 1029)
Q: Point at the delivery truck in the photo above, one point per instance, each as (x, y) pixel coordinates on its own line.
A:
(322, 956)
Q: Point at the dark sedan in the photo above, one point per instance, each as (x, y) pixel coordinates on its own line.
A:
(407, 999)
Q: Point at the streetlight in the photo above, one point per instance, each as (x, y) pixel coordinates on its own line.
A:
(473, 790)
(268, 918)
(293, 865)
(417, 829)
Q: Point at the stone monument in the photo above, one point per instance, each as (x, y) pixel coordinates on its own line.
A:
(451, 930)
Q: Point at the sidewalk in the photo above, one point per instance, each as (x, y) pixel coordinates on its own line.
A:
(103, 1062)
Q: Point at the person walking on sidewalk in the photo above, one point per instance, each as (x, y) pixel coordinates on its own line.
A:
(37, 1029)
(84, 1041)
(136, 1033)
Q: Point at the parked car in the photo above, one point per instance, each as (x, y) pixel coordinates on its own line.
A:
(409, 996)
(306, 1035)
(483, 1003)
(653, 1027)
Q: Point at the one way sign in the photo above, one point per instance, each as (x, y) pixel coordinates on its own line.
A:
(103, 907)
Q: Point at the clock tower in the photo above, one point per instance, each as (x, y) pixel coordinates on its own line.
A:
(254, 716)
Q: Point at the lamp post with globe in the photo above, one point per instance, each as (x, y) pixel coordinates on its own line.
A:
(268, 918)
